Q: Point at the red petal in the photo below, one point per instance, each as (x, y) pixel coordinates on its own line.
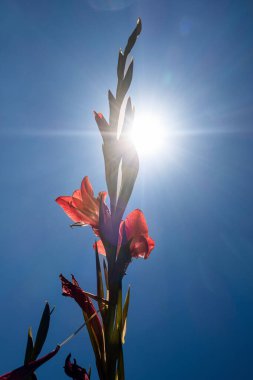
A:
(86, 188)
(100, 247)
(88, 216)
(77, 194)
(90, 205)
(151, 246)
(136, 224)
(72, 212)
(141, 247)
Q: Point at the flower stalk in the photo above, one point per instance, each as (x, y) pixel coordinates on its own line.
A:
(119, 240)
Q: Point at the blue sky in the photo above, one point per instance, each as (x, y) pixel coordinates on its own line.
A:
(191, 312)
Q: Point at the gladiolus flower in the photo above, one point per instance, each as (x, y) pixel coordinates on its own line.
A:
(82, 207)
(94, 326)
(74, 370)
(136, 233)
(23, 373)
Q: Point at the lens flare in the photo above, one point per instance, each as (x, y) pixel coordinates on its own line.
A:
(148, 133)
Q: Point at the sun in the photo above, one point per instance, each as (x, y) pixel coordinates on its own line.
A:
(148, 133)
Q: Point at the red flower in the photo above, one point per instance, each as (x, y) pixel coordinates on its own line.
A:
(82, 207)
(136, 231)
(23, 373)
(74, 370)
(91, 317)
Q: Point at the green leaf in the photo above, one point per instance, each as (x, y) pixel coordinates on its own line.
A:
(106, 276)
(125, 84)
(132, 39)
(128, 120)
(29, 347)
(42, 331)
(120, 367)
(121, 65)
(114, 112)
(100, 287)
(112, 158)
(119, 310)
(98, 351)
(124, 316)
(129, 169)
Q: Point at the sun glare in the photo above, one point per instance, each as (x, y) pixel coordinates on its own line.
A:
(148, 133)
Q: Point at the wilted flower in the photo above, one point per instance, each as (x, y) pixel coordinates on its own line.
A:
(91, 317)
(75, 371)
(22, 373)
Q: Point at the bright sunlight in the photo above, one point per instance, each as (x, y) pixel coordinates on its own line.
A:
(149, 133)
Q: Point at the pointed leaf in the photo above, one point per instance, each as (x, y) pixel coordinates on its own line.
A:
(132, 39)
(128, 120)
(124, 316)
(119, 310)
(93, 337)
(106, 278)
(120, 367)
(124, 85)
(42, 331)
(121, 65)
(112, 158)
(114, 112)
(29, 347)
(129, 168)
(100, 287)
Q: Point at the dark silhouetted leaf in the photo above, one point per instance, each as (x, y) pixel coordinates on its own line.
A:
(128, 120)
(42, 331)
(132, 39)
(29, 347)
(106, 275)
(125, 84)
(121, 65)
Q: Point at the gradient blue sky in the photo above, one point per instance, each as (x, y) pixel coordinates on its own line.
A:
(191, 312)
